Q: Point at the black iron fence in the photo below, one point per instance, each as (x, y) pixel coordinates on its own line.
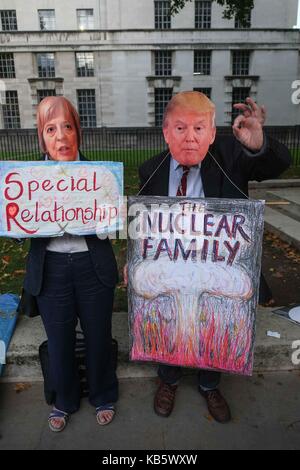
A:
(129, 145)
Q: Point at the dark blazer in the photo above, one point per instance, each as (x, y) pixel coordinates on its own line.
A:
(230, 155)
(240, 168)
(101, 253)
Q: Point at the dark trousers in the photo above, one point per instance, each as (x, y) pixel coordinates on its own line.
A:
(72, 290)
(207, 379)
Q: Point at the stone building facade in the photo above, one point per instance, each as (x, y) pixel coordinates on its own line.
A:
(119, 61)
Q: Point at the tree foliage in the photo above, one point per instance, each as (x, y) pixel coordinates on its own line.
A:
(232, 8)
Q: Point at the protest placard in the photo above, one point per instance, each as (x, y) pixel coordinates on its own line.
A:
(50, 198)
(194, 271)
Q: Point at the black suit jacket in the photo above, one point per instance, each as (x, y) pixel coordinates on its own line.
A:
(240, 168)
(101, 253)
(231, 156)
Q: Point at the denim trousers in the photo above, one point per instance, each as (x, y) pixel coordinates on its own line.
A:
(72, 290)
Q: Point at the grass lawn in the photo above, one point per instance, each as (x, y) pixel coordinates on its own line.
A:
(292, 172)
(131, 158)
(12, 265)
(296, 155)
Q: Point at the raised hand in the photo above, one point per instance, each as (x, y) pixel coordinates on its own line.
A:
(248, 127)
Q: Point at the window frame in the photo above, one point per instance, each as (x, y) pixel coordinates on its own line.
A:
(207, 91)
(241, 62)
(163, 63)
(50, 71)
(162, 14)
(9, 63)
(87, 120)
(89, 19)
(51, 19)
(202, 8)
(46, 92)
(159, 106)
(89, 72)
(4, 17)
(11, 110)
(202, 62)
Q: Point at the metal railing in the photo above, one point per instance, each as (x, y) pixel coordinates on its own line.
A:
(129, 145)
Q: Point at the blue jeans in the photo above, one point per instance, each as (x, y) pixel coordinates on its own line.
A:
(207, 379)
(72, 290)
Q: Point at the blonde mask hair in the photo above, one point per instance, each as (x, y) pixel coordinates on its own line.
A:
(190, 101)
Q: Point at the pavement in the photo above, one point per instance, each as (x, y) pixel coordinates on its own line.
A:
(265, 407)
(265, 410)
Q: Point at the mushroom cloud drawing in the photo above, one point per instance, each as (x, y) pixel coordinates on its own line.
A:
(186, 282)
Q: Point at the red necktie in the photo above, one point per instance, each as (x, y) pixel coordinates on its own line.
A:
(181, 191)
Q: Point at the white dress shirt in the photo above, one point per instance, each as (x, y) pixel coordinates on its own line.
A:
(67, 243)
(194, 181)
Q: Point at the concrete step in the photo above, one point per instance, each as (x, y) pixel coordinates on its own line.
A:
(278, 183)
(23, 360)
(290, 194)
(271, 354)
(291, 209)
(282, 225)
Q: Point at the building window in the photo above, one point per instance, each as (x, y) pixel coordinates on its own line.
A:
(7, 65)
(163, 63)
(8, 20)
(205, 91)
(11, 113)
(202, 62)
(240, 62)
(87, 107)
(202, 14)
(247, 22)
(85, 19)
(47, 19)
(46, 65)
(162, 14)
(85, 64)
(238, 96)
(41, 94)
(162, 97)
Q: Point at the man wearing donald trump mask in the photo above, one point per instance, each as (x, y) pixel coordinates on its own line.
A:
(199, 163)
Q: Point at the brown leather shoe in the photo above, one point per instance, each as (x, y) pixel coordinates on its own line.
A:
(217, 405)
(164, 399)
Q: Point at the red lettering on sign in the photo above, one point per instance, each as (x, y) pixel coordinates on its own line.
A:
(47, 186)
(58, 186)
(8, 180)
(33, 186)
(12, 210)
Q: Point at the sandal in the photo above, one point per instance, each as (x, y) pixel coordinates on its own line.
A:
(62, 416)
(102, 409)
